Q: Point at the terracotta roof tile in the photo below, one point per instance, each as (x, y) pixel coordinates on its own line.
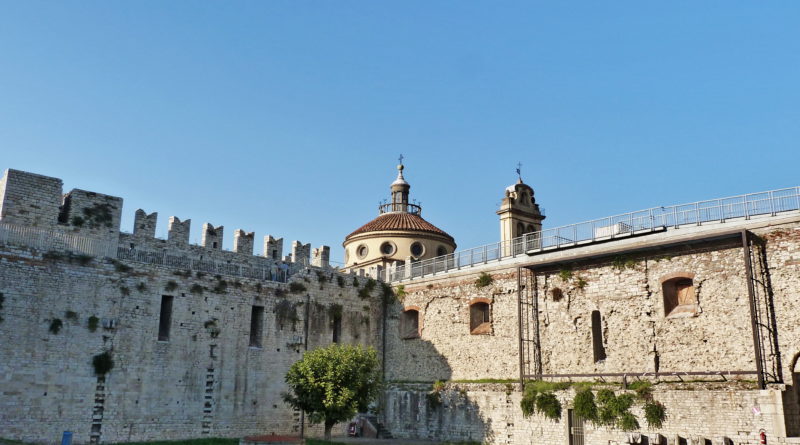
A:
(399, 221)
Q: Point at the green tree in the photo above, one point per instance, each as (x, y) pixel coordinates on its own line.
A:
(332, 384)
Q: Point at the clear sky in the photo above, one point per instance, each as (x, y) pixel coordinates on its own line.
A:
(288, 117)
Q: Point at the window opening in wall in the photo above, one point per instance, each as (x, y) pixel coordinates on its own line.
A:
(214, 244)
(337, 327)
(520, 229)
(417, 250)
(409, 324)
(679, 297)
(479, 320)
(387, 248)
(256, 326)
(441, 250)
(165, 318)
(597, 337)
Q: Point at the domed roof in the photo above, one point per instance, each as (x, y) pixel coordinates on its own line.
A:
(399, 221)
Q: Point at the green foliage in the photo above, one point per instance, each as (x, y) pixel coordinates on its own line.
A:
(438, 386)
(296, 288)
(92, 323)
(370, 284)
(335, 311)
(141, 287)
(221, 287)
(171, 286)
(400, 291)
(123, 268)
(340, 280)
(642, 388)
(71, 315)
(196, 289)
(655, 413)
(622, 263)
(285, 312)
(212, 328)
(355, 281)
(363, 293)
(484, 279)
(332, 384)
(96, 216)
(628, 422)
(581, 283)
(565, 274)
(434, 399)
(83, 260)
(124, 291)
(103, 363)
(77, 221)
(538, 397)
(182, 273)
(55, 325)
(199, 274)
(388, 293)
(584, 404)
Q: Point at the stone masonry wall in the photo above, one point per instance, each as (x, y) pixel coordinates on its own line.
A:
(206, 379)
(489, 413)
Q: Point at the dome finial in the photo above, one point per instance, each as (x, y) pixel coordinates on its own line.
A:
(400, 179)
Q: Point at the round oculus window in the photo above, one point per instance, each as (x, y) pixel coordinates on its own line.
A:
(387, 248)
(362, 251)
(417, 250)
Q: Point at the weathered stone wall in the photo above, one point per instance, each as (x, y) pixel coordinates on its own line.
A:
(29, 199)
(205, 379)
(211, 374)
(490, 413)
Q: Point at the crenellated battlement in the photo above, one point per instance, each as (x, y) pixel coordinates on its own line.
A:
(34, 212)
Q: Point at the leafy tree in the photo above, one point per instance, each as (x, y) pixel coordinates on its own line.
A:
(332, 384)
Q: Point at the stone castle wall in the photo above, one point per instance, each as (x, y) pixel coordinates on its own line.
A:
(638, 336)
(211, 376)
(489, 413)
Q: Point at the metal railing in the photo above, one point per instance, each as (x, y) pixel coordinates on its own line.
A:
(400, 207)
(272, 272)
(54, 239)
(649, 220)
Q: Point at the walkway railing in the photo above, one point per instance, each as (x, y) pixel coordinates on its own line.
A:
(55, 239)
(650, 220)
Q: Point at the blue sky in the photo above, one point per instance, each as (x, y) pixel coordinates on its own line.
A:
(287, 117)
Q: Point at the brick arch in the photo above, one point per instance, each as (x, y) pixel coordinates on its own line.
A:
(673, 275)
(411, 308)
(480, 300)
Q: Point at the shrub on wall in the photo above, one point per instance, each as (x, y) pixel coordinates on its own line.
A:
(484, 279)
(55, 325)
(296, 288)
(102, 363)
(92, 323)
(655, 414)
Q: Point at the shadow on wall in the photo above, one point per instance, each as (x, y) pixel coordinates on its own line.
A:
(791, 400)
(427, 409)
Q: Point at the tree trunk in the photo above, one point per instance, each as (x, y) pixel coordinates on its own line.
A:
(328, 428)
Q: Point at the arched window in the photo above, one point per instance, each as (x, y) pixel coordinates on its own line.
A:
(409, 323)
(520, 229)
(480, 317)
(679, 296)
(441, 250)
(530, 229)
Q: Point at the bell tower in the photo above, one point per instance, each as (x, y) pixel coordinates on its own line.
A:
(519, 213)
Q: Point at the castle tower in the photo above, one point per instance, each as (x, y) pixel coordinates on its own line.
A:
(398, 235)
(519, 213)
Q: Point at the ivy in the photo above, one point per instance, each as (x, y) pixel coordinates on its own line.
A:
(296, 287)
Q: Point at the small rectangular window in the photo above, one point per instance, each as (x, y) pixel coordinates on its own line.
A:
(337, 327)
(256, 326)
(165, 318)
(597, 337)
